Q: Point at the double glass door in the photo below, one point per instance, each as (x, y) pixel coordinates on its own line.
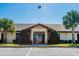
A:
(38, 38)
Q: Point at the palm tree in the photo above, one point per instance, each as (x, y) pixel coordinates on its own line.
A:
(6, 25)
(70, 21)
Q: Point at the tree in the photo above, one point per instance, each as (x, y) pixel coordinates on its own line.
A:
(70, 21)
(6, 25)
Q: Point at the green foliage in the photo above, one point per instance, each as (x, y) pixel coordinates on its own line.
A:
(71, 19)
(7, 25)
(54, 38)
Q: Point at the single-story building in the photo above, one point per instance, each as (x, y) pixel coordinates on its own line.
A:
(40, 34)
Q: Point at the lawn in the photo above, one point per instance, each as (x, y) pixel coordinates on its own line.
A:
(9, 45)
(45, 46)
(62, 44)
(58, 45)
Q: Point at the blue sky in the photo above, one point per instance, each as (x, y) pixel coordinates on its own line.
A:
(29, 13)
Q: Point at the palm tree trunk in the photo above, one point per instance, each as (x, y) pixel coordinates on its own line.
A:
(5, 37)
(73, 35)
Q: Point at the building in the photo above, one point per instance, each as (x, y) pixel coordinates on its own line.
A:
(40, 34)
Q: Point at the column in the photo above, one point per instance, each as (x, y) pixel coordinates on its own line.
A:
(32, 36)
(0, 35)
(46, 37)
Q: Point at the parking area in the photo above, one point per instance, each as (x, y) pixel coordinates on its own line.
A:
(31, 51)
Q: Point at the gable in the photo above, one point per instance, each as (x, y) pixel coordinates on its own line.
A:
(39, 27)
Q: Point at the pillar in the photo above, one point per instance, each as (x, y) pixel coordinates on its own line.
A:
(32, 36)
(46, 41)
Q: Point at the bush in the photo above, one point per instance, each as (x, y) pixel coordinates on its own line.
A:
(65, 41)
(53, 41)
(14, 41)
(1, 41)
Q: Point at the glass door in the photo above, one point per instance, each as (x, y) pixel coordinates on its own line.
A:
(38, 38)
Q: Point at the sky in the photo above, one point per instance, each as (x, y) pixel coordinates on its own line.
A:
(29, 12)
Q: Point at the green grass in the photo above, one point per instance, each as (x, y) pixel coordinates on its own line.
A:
(59, 45)
(62, 44)
(9, 45)
(76, 44)
(47, 46)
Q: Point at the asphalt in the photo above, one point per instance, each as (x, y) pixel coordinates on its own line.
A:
(31, 51)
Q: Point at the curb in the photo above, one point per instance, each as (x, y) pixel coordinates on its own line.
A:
(39, 46)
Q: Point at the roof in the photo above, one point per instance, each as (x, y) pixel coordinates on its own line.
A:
(57, 27)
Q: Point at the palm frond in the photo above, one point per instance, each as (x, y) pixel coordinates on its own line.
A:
(71, 19)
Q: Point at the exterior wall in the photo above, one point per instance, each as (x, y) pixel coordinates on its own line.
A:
(25, 37)
(38, 27)
(76, 36)
(11, 37)
(67, 36)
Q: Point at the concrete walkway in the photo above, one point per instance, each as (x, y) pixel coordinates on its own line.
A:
(39, 51)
